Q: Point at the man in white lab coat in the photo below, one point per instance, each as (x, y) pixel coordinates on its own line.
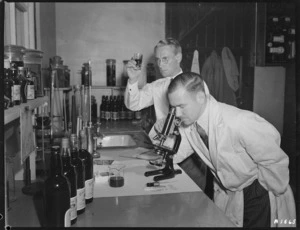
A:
(251, 175)
(168, 56)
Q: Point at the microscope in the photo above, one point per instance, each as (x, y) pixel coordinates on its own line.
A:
(168, 171)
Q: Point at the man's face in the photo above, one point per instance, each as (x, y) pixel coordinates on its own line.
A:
(167, 61)
(189, 106)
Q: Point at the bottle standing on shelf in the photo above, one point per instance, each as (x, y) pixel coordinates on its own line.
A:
(102, 109)
(138, 115)
(111, 106)
(115, 114)
(69, 171)
(57, 193)
(23, 84)
(8, 86)
(107, 109)
(17, 87)
(122, 109)
(80, 170)
(87, 159)
(30, 90)
(94, 109)
(129, 114)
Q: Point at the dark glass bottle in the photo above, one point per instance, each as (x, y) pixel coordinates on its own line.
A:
(23, 84)
(94, 114)
(30, 89)
(8, 86)
(107, 109)
(16, 90)
(115, 113)
(57, 193)
(80, 170)
(69, 171)
(87, 159)
(102, 108)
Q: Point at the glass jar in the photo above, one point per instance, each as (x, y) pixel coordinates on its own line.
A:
(33, 63)
(15, 54)
(111, 72)
(124, 74)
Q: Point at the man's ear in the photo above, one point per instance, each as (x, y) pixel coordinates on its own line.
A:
(200, 97)
(178, 57)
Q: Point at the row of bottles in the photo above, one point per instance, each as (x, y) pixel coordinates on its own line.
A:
(113, 108)
(19, 85)
(70, 185)
(280, 39)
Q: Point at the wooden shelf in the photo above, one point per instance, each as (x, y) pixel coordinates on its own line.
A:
(14, 112)
(107, 87)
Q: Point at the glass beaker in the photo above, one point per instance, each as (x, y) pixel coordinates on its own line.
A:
(116, 175)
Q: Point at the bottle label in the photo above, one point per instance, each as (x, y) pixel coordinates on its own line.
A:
(278, 50)
(115, 115)
(102, 114)
(68, 218)
(138, 115)
(123, 115)
(30, 92)
(16, 92)
(89, 188)
(80, 199)
(278, 39)
(107, 115)
(73, 201)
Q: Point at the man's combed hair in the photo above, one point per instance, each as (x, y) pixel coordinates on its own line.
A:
(192, 82)
(169, 42)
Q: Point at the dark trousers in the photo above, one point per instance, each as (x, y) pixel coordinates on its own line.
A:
(257, 209)
(196, 169)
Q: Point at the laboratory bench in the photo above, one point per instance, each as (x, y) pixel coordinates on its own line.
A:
(180, 204)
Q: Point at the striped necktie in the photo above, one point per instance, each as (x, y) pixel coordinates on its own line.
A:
(209, 188)
(202, 134)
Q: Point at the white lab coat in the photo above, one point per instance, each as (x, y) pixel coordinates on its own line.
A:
(243, 147)
(154, 93)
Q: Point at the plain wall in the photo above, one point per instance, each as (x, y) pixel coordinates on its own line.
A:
(100, 31)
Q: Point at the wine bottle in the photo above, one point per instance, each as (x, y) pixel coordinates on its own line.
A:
(69, 171)
(57, 193)
(30, 91)
(87, 159)
(122, 109)
(102, 108)
(16, 87)
(80, 170)
(23, 84)
(8, 85)
(107, 109)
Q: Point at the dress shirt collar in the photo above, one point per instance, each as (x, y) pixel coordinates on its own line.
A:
(203, 119)
(176, 74)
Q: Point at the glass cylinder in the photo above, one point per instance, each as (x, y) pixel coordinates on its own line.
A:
(111, 72)
(124, 74)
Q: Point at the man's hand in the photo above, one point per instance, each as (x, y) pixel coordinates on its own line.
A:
(133, 72)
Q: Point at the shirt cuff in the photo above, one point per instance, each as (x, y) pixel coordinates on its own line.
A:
(132, 88)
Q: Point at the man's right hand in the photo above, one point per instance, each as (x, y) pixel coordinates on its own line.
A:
(133, 71)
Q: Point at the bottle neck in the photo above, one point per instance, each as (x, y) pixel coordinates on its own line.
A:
(56, 164)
